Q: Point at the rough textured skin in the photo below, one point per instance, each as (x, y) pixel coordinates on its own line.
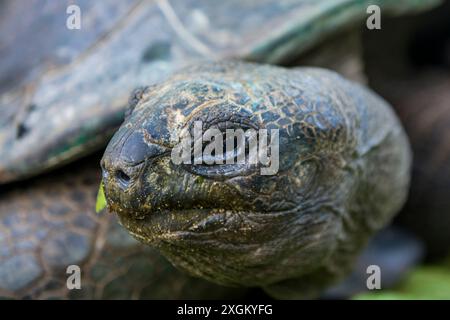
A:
(344, 172)
(63, 92)
(50, 224)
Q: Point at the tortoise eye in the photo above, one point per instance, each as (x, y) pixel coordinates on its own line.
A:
(228, 150)
(220, 171)
(225, 155)
(123, 178)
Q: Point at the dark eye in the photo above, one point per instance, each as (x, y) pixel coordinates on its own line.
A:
(229, 150)
(225, 152)
(219, 172)
(122, 178)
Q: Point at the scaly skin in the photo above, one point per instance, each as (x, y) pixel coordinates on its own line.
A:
(343, 174)
(51, 224)
(63, 92)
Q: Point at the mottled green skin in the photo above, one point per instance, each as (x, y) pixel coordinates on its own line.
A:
(293, 233)
(51, 224)
(63, 92)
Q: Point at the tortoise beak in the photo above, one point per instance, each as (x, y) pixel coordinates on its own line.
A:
(123, 170)
(126, 152)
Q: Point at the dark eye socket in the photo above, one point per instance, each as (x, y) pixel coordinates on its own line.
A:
(235, 151)
(232, 147)
(220, 171)
(123, 178)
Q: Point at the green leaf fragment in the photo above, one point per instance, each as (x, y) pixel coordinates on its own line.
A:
(101, 200)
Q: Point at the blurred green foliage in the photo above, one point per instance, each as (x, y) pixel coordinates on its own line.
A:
(423, 283)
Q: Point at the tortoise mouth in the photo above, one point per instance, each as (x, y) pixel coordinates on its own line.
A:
(174, 225)
(187, 224)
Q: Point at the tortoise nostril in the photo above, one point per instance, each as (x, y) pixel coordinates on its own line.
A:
(123, 178)
(104, 171)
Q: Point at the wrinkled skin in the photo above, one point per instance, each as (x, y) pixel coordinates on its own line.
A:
(63, 92)
(292, 233)
(50, 224)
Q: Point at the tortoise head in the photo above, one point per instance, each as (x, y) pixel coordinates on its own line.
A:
(240, 222)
